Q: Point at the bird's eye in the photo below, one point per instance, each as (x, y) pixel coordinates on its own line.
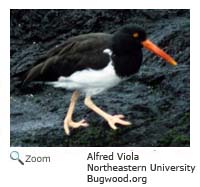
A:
(135, 35)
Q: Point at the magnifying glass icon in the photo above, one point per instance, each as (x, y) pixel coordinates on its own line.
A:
(14, 155)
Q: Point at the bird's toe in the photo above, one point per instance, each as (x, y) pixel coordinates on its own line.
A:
(71, 124)
(117, 119)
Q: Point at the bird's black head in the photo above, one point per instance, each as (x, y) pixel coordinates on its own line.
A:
(131, 38)
(128, 39)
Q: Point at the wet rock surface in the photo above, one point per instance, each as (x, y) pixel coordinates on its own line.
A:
(156, 100)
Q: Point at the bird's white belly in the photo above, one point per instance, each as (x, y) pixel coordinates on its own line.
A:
(90, 81)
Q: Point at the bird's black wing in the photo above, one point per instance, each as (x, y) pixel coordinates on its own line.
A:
(77, 53)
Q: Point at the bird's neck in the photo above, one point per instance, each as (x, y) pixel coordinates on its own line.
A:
(127, 64)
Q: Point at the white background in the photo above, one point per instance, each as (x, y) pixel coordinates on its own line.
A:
(68, 165)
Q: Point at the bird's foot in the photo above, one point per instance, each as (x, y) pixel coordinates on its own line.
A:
(71, 124)
(112, 120)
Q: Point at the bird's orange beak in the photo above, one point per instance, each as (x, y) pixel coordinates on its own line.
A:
(155, 49)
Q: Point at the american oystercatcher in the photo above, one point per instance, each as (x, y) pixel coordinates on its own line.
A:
(92, 63)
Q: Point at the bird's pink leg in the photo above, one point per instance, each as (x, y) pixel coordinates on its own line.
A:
(68, 122)
(112, 120)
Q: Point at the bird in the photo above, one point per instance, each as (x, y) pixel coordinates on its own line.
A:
(92, 63)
